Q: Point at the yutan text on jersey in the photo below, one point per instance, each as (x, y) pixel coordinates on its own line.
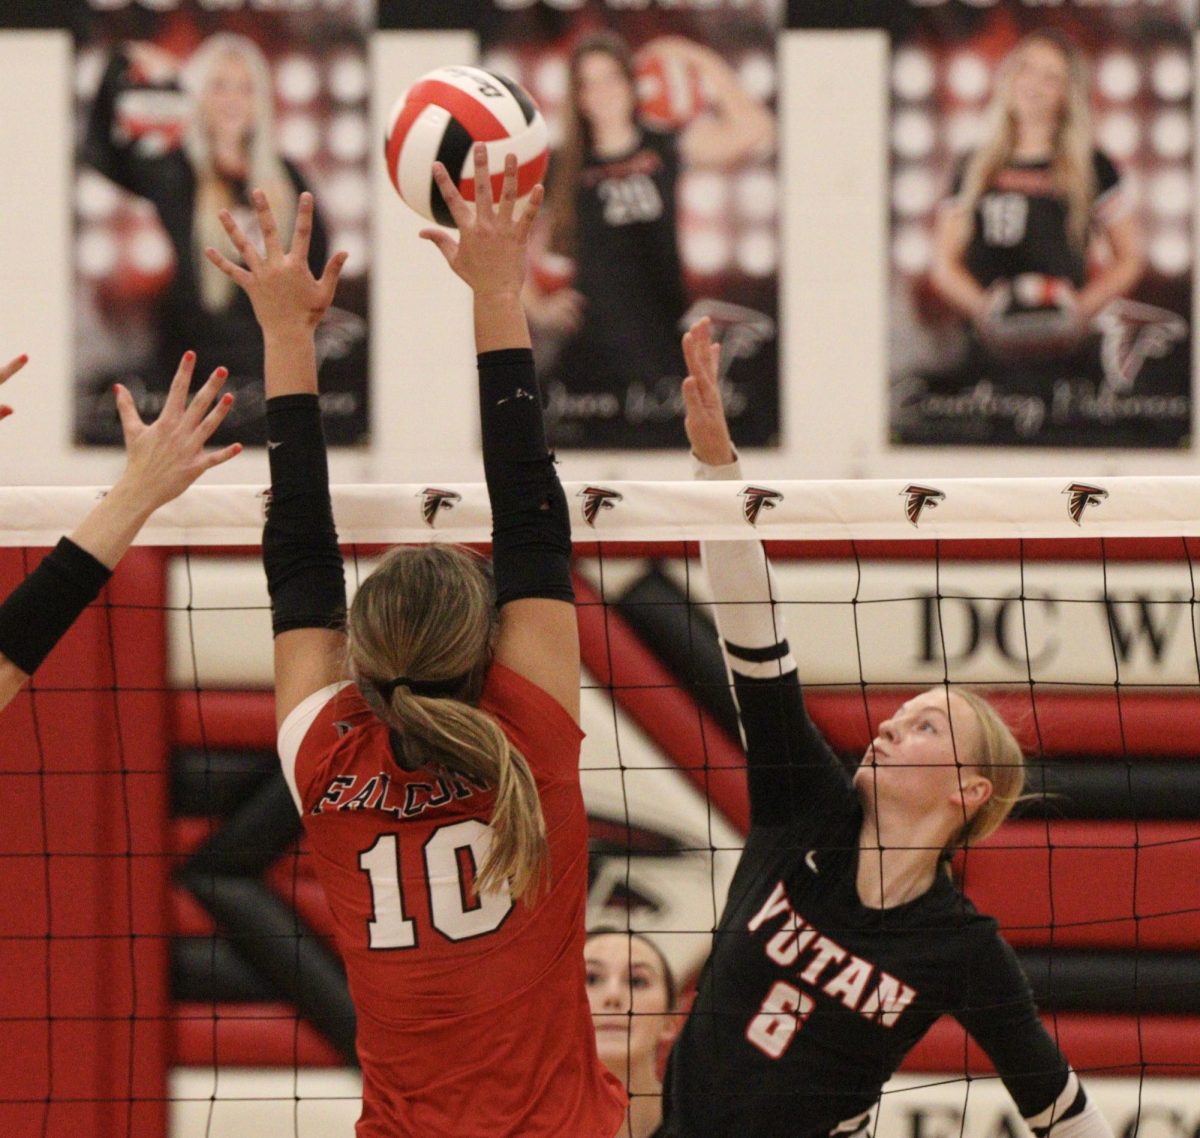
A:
(859, 984)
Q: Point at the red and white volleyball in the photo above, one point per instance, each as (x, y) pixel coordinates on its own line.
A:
(669, 89)
(440, 118)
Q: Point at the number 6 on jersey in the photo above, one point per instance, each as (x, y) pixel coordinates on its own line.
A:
(452, 856)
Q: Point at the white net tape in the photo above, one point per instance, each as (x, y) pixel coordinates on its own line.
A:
(876, 509)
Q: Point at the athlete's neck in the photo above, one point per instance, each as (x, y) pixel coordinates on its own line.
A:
(894, 873)
(645, 1101)
(611, 140)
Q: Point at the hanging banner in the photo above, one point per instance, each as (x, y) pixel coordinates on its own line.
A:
(661, 206)
(182, 112)
(1041, 209)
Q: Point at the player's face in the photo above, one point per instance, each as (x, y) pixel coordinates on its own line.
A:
(228, 101)
(605, 94)
(1040, 82)
(921, 759)
(628, 995)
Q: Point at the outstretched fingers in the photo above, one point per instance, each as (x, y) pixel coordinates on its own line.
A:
(302, 233)
(234, 272)
(331, 273)
(484, 202)
(177, 394)
(266, 224)
(532, 206)
(245, 247)
(508, 189)
(205, 397)
(13, 366)
(459, 210)
(217, 457)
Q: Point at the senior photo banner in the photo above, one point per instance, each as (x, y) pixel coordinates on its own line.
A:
(182, 112)
(1041, 225)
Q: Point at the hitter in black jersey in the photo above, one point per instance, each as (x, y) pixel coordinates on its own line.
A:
(1027, 208)
(843, 938)
(611, 206)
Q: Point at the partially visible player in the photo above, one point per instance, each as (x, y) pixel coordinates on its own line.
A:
(6, 373)
(844, 938)
(438, 780)
(165, 458)
(632, 993)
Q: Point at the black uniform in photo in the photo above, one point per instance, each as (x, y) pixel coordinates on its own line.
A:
(229, 337)
(615, 382)
(811, 999)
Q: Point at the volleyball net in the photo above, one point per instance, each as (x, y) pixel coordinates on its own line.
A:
(168, 958)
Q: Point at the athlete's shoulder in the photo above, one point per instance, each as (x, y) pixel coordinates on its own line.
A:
(534, 721)
(314, 731)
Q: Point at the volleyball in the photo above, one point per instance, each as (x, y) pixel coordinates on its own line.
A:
(669, 90)
(440, 118)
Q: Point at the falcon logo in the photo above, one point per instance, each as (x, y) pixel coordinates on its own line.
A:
(918, 498)
(342, 728)
(755, 499)
(433, 501)
(1079, 496)
(595, 499)
(1132, 333)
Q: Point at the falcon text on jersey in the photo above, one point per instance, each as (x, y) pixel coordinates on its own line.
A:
(403, 800)
(859, 985)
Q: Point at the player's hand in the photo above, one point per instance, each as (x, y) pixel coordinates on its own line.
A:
(492, 246)
(165, 457)
(7, 372)
(704, 422)
(285, 294)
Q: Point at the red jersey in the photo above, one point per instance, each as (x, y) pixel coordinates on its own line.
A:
(473, 1017)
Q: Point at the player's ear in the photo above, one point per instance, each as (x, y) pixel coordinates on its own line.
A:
(974, 790)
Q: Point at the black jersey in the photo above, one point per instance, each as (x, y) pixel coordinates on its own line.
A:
(1020, 222)
(616, 380)
(811, 999)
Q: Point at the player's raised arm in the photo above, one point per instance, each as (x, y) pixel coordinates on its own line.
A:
(531, 530)
(164, 459)
(300, 550)
(788, 760)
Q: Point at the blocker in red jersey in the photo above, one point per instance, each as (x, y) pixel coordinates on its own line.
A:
(441, 116)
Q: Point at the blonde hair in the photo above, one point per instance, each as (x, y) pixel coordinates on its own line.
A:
(264, 168)
(1000, 760)
(1071, 164)
(427, 613)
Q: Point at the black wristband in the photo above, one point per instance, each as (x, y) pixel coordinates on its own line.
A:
(531, 528)
(304, 569)
(41, 609)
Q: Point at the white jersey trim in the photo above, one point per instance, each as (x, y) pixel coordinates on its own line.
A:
(293, 729)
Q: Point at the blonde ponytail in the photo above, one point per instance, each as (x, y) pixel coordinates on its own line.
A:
(426, 613)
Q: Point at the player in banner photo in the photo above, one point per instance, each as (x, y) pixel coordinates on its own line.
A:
(844, 936)
(1027, 208)
(1023, 310)
(612, 212)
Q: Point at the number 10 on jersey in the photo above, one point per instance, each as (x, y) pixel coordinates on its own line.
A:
(452, 855)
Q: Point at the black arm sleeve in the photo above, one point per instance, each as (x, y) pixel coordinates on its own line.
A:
(40, 610)
(531, 529)
(791, 771)
(1000, 1014)
(304, 569)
